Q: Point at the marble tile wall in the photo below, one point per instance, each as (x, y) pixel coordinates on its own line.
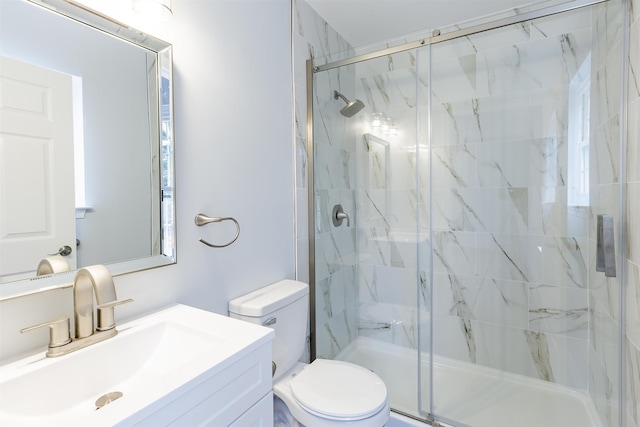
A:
(511, 253)
(632, 341)
(393, 299)
(511, 284)
(334, 142)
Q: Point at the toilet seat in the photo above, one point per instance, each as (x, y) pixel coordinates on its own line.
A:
(338, 390)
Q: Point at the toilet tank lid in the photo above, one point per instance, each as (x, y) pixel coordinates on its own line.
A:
(269, 299)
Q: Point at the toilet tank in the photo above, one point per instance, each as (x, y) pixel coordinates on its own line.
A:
(284, 307)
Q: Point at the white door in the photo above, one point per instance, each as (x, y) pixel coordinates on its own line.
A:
(37, 209)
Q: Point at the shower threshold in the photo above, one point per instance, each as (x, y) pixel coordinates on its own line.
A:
(471, 395)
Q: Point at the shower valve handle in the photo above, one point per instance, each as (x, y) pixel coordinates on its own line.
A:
(338, 216)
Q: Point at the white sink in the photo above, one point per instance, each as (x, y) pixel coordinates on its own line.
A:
(147, 361)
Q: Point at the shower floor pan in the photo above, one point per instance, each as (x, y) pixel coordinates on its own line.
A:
(469, 394)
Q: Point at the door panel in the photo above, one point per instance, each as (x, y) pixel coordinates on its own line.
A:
(37, 209)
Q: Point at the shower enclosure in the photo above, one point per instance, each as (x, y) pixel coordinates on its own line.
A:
(465, 271)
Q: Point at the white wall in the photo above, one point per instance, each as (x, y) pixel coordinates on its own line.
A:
(233, 134)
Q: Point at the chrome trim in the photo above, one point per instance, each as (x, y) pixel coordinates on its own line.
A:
(58, 331)
(89, 281)
(270, 321)
(106, 316)
(411, 416)
(503, 22)
(623, 214)
(202, 219)
(338, 215)
(311, 209)
(64, 251)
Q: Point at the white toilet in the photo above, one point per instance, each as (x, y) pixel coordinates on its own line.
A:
(324, 393)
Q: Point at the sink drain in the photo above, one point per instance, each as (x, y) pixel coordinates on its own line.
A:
(107, 398)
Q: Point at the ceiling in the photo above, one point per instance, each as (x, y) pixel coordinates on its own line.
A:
(368, 22)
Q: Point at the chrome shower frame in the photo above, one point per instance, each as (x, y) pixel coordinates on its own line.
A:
(474, 29)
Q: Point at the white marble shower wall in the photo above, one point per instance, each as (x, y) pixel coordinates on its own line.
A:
(500, 137)
(510, 245)
(334, 142)
(335, 247)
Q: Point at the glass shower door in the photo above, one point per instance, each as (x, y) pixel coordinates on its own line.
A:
(473, 178)
(366, 273)
(334, 184)
(524, 153)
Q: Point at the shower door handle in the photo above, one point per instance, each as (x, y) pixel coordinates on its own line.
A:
(605, 246)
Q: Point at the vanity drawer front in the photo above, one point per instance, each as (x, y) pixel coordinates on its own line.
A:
(222, 398)
(260, 414)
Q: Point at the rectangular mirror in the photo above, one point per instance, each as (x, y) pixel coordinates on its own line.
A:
(86, 145)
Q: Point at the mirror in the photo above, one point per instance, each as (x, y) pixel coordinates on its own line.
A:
(86, 145)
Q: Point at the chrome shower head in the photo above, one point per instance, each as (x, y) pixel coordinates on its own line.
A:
(351, 108)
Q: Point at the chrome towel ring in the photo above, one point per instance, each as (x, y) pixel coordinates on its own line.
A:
(202, 219)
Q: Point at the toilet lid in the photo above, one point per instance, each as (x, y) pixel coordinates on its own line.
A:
(339, 390)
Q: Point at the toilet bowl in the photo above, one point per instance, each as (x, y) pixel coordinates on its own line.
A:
(330, 393)
(323, 393)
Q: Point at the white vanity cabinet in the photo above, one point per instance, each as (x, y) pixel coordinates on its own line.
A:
(239, 394)
(180, 366)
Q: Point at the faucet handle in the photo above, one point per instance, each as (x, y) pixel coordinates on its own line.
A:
(58, 331)
(106, 319)
(338, 216)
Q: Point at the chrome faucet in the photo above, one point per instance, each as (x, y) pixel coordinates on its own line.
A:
(88, 280)
(95, 278)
